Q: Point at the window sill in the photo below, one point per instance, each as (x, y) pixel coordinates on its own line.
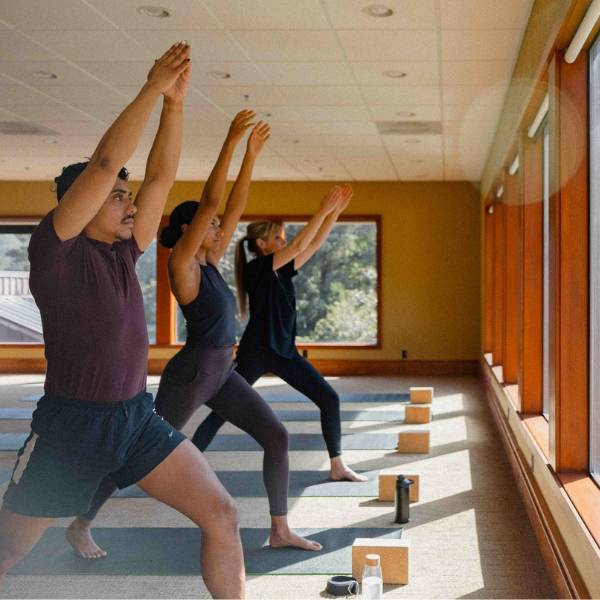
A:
(539, 429)
(584, 493)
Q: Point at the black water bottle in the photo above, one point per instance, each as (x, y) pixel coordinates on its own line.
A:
(402, 499)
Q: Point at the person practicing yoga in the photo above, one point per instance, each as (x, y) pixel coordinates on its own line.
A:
(202, 371)
(95, 420)
(268, 343)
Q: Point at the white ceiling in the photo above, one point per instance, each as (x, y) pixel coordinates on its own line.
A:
(313, 68)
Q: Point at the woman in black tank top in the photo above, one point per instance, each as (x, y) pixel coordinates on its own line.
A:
(268, 344)
(202, 372)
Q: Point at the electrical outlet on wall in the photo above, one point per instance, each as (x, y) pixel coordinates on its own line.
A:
(404, 354)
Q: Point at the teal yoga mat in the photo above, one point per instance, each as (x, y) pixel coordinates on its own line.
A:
(171, 551)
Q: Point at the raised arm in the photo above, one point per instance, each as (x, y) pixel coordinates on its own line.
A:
(325, 228)
(85, 197)
(238, 196)
(308, 232)
(163, 160)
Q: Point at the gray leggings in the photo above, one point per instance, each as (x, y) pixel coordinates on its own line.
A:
(197, 376)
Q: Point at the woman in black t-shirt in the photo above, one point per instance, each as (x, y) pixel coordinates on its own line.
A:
(268, 344)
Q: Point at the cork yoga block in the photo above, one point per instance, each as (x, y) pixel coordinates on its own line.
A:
(393, 553)
(421, 395)
(387, 485)
(417, 414)
(413, 442)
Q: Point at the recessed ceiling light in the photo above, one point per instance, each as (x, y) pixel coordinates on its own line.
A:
(406, 113)
(412, 141)
(220, 74)
(43, 75)
(158, 12)
(51, 141)
(378, 10)
(267, 114)
(394, 74)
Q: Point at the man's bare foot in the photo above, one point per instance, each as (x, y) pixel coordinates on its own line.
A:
(285, 538)
(79, 535)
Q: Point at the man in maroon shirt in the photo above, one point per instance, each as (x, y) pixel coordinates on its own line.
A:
(95, 421)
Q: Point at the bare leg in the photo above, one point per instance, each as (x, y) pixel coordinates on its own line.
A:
(341, 472)
(18, 535)
(185, 481)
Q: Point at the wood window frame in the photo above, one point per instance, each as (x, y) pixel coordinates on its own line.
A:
(166, 331)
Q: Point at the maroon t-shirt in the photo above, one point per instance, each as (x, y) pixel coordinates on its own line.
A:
(96, 340)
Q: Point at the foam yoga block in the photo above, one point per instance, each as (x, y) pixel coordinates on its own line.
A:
(387, 485)
(413, 442)
(418, 414)
(393, 553)
(421, 395)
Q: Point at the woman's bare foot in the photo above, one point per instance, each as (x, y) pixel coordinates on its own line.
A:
(341, 472)
(282, 536)
(79, 535)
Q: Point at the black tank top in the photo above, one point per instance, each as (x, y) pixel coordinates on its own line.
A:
(210, 317)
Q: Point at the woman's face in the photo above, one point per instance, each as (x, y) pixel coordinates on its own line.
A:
(275, 241)
(214, 235)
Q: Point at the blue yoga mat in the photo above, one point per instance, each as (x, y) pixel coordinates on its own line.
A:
(249, 484)
(172, 551)
(282, 414)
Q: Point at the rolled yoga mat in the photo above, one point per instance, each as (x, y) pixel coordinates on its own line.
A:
(226, 443)
(168, 551)
(249, 484)
(283, 415)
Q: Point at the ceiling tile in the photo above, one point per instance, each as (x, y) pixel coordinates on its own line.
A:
(183, 14)
(480, 45)
(271, 114)
(90, 45)
(417, 73)
(407, 14)
(241, 73)
(462, 94)
(472, 112)
(424, 95)
(83, 94)
(228, 96)
(475, 72)
(333, 113)
(66, 74)
(282, 14)
(321, 95)
(313, 73)
(369, 169)
(15, 47)
(64, 15)
(206, 45)
(88, 127)
(484, 14)
(122, 72)
(20, 94)
(406, 112)
(389, 45)
(285, 46)
(48, 112)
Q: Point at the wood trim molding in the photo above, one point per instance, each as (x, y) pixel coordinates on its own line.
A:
(499, 283)
(561, 567)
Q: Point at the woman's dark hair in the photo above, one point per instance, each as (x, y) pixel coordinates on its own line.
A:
(182, 215)
(254, 231)
(71, 172)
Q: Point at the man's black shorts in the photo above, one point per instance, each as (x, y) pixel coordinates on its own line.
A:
(74, 445)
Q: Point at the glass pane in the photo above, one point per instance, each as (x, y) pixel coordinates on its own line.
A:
(595, 260)
(146, 272)
(337, 288)
(546, 273)
(20, 321)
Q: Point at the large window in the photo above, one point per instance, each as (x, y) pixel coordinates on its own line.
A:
(594, 104)
(336, 290)
(20, 321)
(546, 383)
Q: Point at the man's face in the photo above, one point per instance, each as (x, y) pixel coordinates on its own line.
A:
(115, 219)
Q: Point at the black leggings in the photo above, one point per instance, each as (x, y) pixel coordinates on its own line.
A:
(197, 376)
(298, 373)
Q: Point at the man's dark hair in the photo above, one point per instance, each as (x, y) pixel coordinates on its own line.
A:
(70, 173)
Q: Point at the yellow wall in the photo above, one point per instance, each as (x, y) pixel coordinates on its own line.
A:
(430, 257)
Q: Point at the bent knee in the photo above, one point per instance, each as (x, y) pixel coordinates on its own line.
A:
(224, 513)
(276, 440)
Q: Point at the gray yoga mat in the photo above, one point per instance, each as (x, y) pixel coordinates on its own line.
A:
(293, 397)
(283, 415)
(174, 551)
(249, 484)
(308, 441)
(224, 443)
